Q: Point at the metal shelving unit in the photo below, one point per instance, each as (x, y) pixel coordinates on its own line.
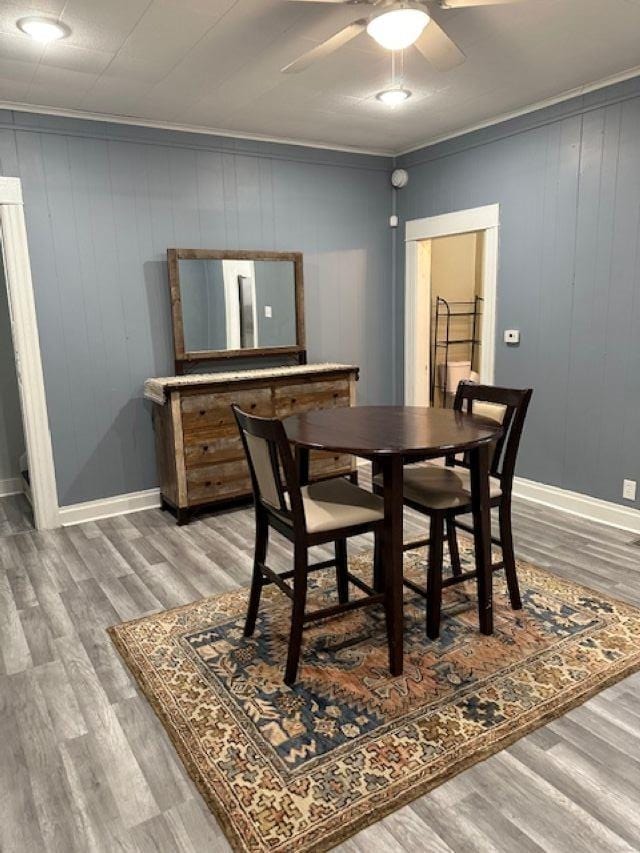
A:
(445, 313)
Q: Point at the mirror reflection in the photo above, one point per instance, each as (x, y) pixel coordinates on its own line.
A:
(237, 304)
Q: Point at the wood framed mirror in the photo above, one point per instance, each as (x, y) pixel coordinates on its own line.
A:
(235, 304)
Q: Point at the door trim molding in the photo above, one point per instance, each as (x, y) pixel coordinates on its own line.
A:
(26, 344)
(416, 346)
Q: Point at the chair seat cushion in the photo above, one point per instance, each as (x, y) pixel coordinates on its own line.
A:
(440, 488)
(331, 504)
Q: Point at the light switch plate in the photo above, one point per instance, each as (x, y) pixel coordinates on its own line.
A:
(629, 490)
(267, 311)
(512, 336)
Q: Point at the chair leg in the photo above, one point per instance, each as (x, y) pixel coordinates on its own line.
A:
(260, 556)
(341, 571)
(434, 576)
(297, 615)
(452, 540)
(378, 566)
(508, 556)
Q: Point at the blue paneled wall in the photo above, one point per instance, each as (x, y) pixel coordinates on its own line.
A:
(104, 201)
(567, 179)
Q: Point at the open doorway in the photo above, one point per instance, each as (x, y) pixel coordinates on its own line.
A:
(450, 288)
(457, 301)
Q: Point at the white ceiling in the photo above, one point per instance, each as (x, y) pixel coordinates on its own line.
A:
(215, 64)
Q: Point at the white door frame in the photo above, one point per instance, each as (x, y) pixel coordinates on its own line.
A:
(26, 345)
(417, 310)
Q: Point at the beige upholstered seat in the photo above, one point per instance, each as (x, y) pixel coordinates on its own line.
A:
(331, 504)
(338, 503)
(436, 487)
(328, 505)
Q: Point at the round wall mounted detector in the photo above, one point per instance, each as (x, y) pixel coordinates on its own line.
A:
(399, 178)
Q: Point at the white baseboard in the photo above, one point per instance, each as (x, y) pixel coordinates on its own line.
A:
(575, 503)
(10, 486)
(593, 509)
(107, 507)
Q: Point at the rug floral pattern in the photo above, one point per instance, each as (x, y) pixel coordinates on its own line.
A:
(299, 769)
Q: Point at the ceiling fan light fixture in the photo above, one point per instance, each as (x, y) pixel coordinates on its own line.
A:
(398, 28)
(44, 30)
(394, 97)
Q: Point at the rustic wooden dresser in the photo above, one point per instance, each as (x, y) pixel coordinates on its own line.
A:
(199, 452)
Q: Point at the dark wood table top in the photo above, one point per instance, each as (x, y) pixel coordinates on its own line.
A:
(371, 431)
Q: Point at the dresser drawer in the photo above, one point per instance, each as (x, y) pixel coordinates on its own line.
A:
(212, 446)
(219, 482)
(205, 412)
(309, 396)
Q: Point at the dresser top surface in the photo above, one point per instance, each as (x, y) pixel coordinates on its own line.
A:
(156, 389)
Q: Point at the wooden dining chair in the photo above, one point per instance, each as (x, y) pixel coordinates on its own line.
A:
(327, 511)
(444, 492)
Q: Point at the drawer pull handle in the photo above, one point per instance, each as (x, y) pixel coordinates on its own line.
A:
(205, 448)
(208, 483)
(202, 412)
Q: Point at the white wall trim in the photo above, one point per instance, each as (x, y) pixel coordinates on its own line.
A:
(10, 486)
(418, 293)
(108, 507)
(575, 503)
(43, 109)
(26, 344)
(87, 115)
(567, 95)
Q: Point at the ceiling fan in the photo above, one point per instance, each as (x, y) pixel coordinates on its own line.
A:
(395, 25)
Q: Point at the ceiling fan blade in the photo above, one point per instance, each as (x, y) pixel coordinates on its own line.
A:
(467, 4)
(326, 48)
(438, 49)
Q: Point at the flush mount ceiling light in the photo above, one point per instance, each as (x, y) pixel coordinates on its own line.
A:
(398, 28)
(393, 97)
(44, 30)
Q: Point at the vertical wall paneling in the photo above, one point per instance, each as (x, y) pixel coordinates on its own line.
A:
(568, 183)
(104, 202)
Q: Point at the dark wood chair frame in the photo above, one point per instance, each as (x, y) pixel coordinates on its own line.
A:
(502, 466)
(288, 519)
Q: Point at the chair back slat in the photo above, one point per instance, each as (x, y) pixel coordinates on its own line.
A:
(509, 407)
(270, 461)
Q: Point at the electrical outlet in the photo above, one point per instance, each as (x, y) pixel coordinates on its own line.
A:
(512, 336)
(629, 490)
(267, 311)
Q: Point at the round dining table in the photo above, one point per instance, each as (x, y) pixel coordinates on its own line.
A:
(390, 437)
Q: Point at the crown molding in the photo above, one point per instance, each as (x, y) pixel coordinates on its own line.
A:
(87, 115)
(629, 74)
(18, 106)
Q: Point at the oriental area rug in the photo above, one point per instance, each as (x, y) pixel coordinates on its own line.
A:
(303, 768)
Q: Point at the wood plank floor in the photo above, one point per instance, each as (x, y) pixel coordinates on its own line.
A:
(84, 764)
